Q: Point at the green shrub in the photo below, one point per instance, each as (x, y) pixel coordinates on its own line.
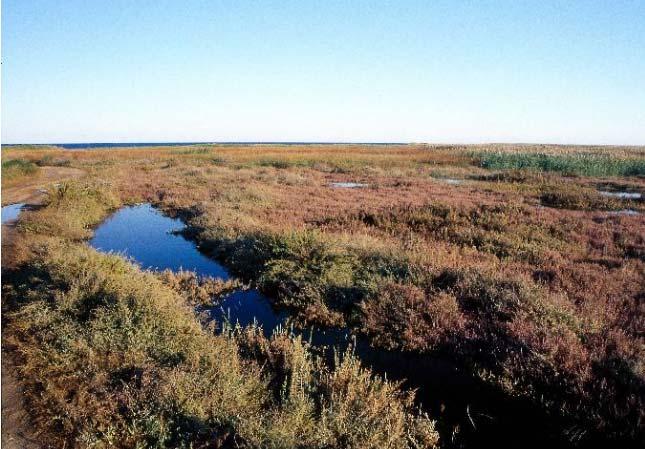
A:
(73, 208)
(16, 168)
(304, 266)
(51, 161)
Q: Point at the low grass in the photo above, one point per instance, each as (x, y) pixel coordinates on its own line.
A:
(507, 231)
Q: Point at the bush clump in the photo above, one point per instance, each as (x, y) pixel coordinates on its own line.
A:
(18, 168)
(73, 208)
(570, 197)
(114, 358)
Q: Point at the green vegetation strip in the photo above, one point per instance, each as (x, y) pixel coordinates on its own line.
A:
(583, 164)
(16, 168)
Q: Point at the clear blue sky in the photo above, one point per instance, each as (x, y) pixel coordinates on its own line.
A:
(436, 71)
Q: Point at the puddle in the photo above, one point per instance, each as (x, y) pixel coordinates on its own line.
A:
(347, 185)
(151, 239)
(629, 212)
(450, 181)
(622, 195)
(11, 212)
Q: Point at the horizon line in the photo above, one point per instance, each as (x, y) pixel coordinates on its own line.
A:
(296, 142)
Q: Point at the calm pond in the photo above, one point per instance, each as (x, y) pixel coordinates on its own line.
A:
(152, 240)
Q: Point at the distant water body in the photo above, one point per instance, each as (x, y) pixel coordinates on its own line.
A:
(99, 145)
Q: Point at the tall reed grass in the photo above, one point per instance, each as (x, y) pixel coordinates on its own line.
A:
(583, 164)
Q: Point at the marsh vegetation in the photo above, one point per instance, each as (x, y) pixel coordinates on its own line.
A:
(523, 277)
(14, 169)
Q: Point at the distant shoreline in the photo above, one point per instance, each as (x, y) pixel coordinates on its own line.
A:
(100, 145)
(71, 146)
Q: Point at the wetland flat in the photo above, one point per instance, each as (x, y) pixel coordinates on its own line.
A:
(509, 304)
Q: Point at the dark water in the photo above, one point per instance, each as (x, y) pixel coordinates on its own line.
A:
(149, 238)
(11, 212)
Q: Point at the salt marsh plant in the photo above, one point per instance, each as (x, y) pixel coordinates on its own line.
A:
(14, 169)
(113, 357)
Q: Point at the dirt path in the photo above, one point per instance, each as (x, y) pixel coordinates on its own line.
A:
(30, 191)
(17, 432)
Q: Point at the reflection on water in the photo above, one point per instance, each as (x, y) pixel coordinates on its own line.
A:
(11, 212)
(143, 234)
